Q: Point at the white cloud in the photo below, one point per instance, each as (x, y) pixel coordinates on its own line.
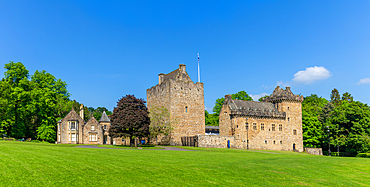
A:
(311, 74)
(364, 81)
(256, 97)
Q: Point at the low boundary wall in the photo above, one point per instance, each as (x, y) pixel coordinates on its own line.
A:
(215, 141)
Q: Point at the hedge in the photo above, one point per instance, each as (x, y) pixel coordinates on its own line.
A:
(366, 155)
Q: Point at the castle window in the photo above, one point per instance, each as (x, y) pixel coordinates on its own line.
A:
(288, 108)
(288, 119)
(273, 127)
(294, 132)
(280, 127)
(274, 141)
(254, 126)
(186, 109)
(92, 137)
(262, 126)
(246, 126)
(105, 127)
(265, 141)
(72, 125)
(281, 142)
(237, 126)
(92, 127)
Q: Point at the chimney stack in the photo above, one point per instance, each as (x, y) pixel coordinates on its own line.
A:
(182, 68)
(227, 98)
(160, 77)
(82, 111)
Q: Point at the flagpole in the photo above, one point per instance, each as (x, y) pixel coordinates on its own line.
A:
(198, 69)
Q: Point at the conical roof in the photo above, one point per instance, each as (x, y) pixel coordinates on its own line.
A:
(104, 118)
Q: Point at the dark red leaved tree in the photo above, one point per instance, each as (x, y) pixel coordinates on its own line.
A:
(130, 118)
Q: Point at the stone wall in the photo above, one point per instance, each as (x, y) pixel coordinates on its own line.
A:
(264, 131)
(64, 133)
(313, 151)
(97, 130)
(185, 101)
(215, 141)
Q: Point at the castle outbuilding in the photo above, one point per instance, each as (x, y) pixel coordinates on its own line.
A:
(273, 124)
(185, 101)
(72, 129)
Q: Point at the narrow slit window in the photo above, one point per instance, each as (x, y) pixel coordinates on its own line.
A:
(294, 132)
(280, 127)
(262, 126)
(246, 126)
(186, 109)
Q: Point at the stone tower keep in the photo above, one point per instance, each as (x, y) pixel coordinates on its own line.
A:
(185, 101)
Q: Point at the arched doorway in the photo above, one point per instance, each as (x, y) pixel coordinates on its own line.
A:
(294, 147)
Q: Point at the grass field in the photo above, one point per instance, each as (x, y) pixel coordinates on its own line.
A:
(39, 164)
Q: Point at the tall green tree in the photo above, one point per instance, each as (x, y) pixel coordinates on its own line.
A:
(312, 127)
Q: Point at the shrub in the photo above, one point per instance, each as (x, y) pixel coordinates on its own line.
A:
(366, 155)
(1, 138)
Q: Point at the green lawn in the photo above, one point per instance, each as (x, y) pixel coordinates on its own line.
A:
(39, 164)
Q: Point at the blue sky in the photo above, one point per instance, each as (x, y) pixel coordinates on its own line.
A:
(104, 50)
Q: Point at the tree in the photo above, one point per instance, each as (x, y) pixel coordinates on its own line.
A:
(30, 108)
(160, 122)
(260, 99)
(130, 118)
(335, 97)
(312, 127)
(347, 97)
(211, 119)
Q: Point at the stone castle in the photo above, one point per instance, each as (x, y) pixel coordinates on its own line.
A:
(273, 124)
(185, 101)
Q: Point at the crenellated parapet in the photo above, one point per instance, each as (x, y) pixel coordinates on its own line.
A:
(280, 94)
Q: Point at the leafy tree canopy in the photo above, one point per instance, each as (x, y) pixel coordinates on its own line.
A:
(130, 118)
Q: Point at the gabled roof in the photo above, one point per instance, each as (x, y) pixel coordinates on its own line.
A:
(104, 118)
(178, 74)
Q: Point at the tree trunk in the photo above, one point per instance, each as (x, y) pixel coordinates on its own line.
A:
(338, 149)
(135, 143)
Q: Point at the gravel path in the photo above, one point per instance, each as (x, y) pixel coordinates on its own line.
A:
(165, 148)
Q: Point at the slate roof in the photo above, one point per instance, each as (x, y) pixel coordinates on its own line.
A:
(254, 108)
(104, 118)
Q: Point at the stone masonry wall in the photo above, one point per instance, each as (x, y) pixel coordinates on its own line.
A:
(313, 151)
(260, 136)
(215, 141)
(185, 101)
(187, 107)
(64, 131)
(98, 131)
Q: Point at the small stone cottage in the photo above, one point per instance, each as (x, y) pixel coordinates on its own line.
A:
(73, 129)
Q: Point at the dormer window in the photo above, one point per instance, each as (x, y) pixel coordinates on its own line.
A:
(92, 128)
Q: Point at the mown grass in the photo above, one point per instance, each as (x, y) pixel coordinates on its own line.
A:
(37, 164)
